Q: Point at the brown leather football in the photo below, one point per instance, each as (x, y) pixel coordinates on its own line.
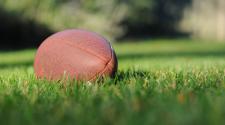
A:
(75, 54)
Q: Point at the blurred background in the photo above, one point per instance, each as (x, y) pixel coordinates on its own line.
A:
(25, 23)
(171, 56)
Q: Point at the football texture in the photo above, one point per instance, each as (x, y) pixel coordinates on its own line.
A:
(75, 54)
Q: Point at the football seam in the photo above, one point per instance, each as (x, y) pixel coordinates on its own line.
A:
(104, 69)
(102, 59)
(85, 50)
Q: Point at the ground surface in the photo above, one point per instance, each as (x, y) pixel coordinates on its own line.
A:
(159, 82)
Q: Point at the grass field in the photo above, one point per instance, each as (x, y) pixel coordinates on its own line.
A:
(172, 82)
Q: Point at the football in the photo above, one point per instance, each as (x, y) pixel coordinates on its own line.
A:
(75, 54)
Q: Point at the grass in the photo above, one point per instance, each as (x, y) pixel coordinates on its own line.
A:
(159, 82)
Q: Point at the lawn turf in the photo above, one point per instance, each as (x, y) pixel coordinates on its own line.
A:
(161, 82)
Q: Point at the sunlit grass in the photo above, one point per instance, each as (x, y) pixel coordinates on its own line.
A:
(158, 82)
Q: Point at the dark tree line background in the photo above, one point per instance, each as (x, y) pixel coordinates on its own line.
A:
(159, 21)
(25, 26)
(17, 33)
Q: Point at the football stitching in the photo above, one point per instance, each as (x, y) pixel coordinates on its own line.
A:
(91, 53)
(106, 64)
(104, 69)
